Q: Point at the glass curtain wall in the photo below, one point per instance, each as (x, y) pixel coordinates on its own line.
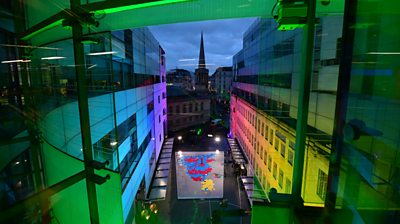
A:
(267, 72)
(368, 187)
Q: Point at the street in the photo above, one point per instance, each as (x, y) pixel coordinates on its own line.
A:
(200, 211)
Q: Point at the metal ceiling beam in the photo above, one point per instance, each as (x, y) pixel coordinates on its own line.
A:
(83, 106)
(304, 98)
(116, 5)
(46, 24)
(123, 5)
(35, 199)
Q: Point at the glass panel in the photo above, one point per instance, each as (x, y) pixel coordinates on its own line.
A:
(321, 110)
(52, 74)
(369, 172)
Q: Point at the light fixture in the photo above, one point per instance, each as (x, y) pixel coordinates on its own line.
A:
(384, 53)
(187, 59)
(180, 153)
(102, 53)
(15, 61)
(53, 58)
(92, 66)
(217, 139)
(179, 137)
(217, 151)
(153, 208)
(210, 135)
(145, 214)
(28, 46)
(16, 163)
(113, 143)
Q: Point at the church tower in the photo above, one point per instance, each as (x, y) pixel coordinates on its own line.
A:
(201, 72)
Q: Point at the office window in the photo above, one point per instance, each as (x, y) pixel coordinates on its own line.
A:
(159, 99)
(274, 170)
(202, 106)
(280, 178)
(178, 109)
(321, 185)
(281, 136)
(269, 163)
(262, 129)
(257, 148)
(276, 144)
(184, 108)
(266, 131)
(150, 107)
(283, 150)
(290, 156)
(291, 145)
(271, 137)
(265, 157)
(190, 108)
(288, 186)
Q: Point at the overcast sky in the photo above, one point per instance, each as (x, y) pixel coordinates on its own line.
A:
(181, 42)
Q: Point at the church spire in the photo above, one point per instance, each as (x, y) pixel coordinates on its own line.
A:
(202, 60)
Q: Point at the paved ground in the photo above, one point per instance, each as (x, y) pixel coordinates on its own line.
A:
(174, 211)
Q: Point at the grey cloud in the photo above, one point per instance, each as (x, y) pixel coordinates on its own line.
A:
(222, 39)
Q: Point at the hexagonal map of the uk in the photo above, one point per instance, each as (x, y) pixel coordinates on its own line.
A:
(199, 174)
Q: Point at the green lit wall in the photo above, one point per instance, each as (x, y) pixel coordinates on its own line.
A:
(71, 204)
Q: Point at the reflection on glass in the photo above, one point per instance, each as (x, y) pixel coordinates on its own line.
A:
(369, 172)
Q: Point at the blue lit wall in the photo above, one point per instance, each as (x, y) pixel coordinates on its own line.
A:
(61, 126)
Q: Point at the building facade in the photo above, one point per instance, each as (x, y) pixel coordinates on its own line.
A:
(264, 104)
(186, 109)
(222, 84)
(180, 78)
(127, 121)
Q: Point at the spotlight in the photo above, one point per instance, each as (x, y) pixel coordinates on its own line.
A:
(145, 213)
(179, 137)
(217, 139)
(153, 208)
